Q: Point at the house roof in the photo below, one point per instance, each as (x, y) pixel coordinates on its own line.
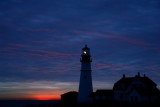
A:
(126, 81)
(102, 92)
(147, 81)
(70, 93)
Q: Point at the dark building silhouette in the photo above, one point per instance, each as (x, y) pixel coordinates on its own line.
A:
(102, 95)
(69, 97)
(129, 89)
(135, 89)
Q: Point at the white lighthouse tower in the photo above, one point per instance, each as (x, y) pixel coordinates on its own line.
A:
(85, 85)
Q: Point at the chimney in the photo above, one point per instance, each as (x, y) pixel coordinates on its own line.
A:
(144, 75)
(124, 76)
(138, 74)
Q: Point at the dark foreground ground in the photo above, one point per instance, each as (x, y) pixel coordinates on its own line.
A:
(98, 104)
(22, 103)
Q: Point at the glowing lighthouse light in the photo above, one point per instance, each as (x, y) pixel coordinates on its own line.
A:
(85, 52)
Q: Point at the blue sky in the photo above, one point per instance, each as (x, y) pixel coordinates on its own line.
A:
(41, 42)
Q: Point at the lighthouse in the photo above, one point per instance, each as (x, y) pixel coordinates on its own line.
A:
(85, 84)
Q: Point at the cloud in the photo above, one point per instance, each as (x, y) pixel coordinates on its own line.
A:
(41, 30)
(36, 90)
(43, 43)
(51, 52)
(124, 38)
(40, 41)
(29, 50)
(102, 85)
(19, 45)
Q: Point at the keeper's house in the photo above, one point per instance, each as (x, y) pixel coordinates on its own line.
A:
(135, 89)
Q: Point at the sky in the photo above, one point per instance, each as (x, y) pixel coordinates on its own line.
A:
(41, 42)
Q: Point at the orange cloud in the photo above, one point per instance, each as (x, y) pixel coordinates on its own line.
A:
(46, 97)
(47, 94)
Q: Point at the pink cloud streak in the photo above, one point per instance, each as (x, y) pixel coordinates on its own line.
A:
(40, 41)
(51, 52)
(42, 29)
(19, 45)
(127, 39)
